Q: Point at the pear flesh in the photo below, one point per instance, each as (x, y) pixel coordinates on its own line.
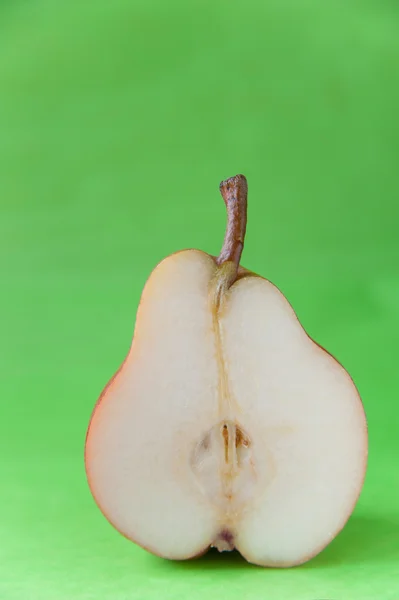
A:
(226, 425)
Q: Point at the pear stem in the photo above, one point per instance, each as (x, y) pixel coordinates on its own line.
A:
(234, 192)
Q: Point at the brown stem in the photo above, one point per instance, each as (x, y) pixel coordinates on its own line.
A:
(234, 192)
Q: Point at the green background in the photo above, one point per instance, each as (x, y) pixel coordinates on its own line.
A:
(117, 122)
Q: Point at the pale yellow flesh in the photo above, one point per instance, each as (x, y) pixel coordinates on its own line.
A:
(226, 425)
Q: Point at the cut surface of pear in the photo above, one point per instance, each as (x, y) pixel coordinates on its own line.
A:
(226, 425)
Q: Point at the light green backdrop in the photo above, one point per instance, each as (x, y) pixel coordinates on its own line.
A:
(117, 122)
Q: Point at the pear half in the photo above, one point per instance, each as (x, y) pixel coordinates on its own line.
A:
(226, 425)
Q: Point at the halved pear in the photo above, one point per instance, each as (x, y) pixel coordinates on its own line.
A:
(226, 425)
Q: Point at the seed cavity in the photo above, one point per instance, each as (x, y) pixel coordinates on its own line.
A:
(222, 464)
